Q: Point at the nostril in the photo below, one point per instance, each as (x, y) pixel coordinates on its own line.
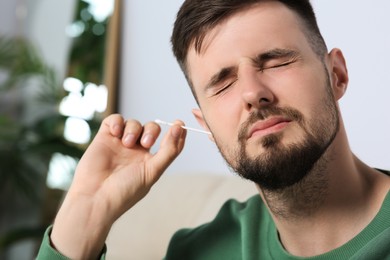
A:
(264, 100)
(261, 103)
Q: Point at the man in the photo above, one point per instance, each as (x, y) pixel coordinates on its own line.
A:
(267, 90)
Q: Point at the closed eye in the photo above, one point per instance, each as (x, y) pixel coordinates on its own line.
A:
(223, 89)
(276, 58)
(276, 66)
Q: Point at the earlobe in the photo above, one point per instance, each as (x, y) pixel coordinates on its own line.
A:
(199, 117)
(338, 73)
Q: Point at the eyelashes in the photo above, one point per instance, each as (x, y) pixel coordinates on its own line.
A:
(263, 68)
(227, 86)
(224, 88)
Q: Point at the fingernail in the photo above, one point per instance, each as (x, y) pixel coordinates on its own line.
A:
(177, 131)
(147, 140)
(117, 130)
(129, 139)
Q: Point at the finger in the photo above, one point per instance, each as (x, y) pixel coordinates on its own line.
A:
(113, 124)
(150, 134)
(131, 133)
(171, 146)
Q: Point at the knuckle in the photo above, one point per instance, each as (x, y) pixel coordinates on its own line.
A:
(133, 126)
(152, 127)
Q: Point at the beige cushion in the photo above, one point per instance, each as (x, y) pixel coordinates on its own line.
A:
(175, 202)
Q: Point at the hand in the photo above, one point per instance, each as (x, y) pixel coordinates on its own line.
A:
(116, 171)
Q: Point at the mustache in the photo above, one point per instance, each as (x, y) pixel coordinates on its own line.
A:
(262, 114)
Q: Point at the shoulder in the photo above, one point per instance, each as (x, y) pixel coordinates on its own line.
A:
(232, 214)
(235, 214)
(223, 235)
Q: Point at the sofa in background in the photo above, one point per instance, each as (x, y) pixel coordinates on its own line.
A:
(175, 202)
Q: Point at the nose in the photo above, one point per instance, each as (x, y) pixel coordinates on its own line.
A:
(255, 92)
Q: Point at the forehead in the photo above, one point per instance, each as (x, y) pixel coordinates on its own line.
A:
(260, 27)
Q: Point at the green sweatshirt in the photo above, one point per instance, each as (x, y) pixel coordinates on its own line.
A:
(247, 231)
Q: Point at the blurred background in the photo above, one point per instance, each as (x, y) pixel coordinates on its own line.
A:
(57, 63)
(64, 65)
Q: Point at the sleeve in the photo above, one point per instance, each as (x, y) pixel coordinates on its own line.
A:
(47, 252)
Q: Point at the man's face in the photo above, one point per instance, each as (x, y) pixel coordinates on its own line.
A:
(264, 95)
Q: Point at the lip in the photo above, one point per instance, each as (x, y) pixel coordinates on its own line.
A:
(268, 126)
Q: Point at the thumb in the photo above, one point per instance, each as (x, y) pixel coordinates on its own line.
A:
(170, 147)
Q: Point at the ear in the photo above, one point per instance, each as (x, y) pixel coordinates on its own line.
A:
(199, 117)
(338, 73)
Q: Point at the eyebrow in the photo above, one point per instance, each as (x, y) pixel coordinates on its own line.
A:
(275, 54)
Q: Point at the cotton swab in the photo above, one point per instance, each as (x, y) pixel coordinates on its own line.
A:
(158, 121)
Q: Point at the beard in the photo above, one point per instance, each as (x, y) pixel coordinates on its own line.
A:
(281, 166)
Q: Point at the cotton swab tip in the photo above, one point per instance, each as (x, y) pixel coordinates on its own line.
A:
(161, 122)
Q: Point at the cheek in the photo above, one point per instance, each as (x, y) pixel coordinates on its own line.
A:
(223, 117)
(300, 89)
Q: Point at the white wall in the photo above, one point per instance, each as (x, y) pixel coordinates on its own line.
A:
(361, 29)
(8, 21)
(152, 85)
(46, 24)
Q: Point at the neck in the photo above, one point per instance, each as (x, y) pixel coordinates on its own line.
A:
(301, 200)
(331, 205)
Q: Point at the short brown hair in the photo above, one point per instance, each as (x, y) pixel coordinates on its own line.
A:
(197, 17)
